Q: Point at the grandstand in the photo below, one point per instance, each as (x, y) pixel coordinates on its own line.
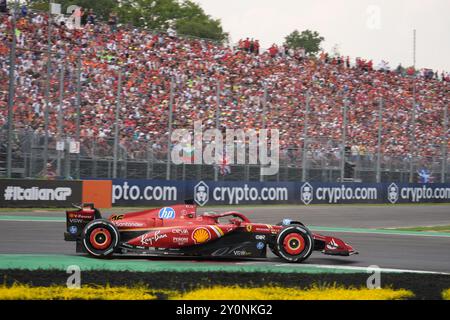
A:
(254, 91)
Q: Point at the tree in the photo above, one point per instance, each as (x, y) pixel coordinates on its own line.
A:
(195, 22)
(152, 14)
(308, 40)
(102, 8)
(186, 17)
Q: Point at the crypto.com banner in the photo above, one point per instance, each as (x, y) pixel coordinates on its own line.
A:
(161, 192)
(391, 193)
(39, 193)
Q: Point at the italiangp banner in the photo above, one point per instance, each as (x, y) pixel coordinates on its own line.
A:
(39, 193)
(162, 192)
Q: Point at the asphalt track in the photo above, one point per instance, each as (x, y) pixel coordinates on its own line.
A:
(357, 225)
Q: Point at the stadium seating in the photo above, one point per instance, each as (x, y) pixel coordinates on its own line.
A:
(150, 60)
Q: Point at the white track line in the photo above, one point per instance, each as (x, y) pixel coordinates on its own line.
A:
(336, 267)
(356, 268)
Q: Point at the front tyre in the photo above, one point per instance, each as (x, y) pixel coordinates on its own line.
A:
(294, 243)
(100, 238)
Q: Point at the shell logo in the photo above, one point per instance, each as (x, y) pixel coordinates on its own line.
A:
(201, 235)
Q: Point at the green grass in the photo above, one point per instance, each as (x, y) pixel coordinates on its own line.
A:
(445, 228)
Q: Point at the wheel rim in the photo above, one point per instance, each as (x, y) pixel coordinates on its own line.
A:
(100, 238)
(293, 244)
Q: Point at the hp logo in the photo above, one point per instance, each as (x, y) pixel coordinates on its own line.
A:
(166, 213)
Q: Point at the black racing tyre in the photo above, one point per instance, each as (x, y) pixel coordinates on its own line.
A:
(100, 238)
(274, 249)
(273, 246)
(294, 243)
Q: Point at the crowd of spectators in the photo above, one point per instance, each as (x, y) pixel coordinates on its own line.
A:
(249, 45)
(150, 60)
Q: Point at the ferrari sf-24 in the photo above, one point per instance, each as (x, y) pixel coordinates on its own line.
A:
(178, 230)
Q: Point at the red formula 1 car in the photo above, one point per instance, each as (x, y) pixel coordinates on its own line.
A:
(178, 230)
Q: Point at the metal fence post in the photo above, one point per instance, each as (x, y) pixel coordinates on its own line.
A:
(413, 136)
(169, 137)
(47, 89)
(380, 130)
(116, 130)
(78, 110)
(11, 91)
(94, 157)
(67, 158)
(149, 159)
(31, 145)
(124, 164)
(264, 120)
(344, 140)
(305, 136)
(216, 167)
(60, 119)
(445, 145)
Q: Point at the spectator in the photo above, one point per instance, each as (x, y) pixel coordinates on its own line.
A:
(3, 6)
(112, 21)
(273, 50)
(247, 45)
(91, 17)
(256, 47)
(49, 172)
(24, 10)
(355, 153)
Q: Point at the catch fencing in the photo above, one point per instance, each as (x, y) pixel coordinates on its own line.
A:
(141, 159)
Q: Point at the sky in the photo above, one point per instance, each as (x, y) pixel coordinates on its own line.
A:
(370, 29)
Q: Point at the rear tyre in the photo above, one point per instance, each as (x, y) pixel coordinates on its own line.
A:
(274, 249)
(294, 243)
(100, 238)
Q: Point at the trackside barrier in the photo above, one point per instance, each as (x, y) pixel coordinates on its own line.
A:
(98, 192)
(22, 193)
(39, 193)
(119, 192)
(162, 192)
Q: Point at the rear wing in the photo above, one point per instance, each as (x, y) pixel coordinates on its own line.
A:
(76, 220)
